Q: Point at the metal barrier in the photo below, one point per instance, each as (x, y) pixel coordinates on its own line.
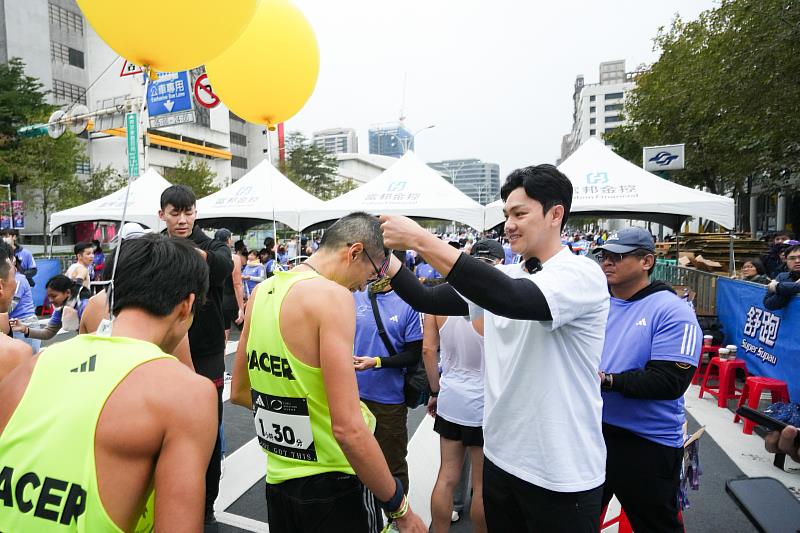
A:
(704, 284)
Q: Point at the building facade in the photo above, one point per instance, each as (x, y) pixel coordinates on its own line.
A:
(392, 139)
(361, 168)
(475, 178)
(336, 140)
(63, 52)
(597, 107)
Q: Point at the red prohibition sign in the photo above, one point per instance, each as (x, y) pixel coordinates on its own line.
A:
(203, 93)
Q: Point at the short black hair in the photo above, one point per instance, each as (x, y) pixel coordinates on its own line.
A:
(355, 227)
(6, 259)
(240, 246)
(155, 273)
(180, 197)
(60, 283)
(9, 231)
(81, 246)
(543, 183)
(790, 249)
(222, 234)
(758, 264)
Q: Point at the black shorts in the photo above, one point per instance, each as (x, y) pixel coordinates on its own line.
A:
(468, 435)
(329, 503)
(229, 316)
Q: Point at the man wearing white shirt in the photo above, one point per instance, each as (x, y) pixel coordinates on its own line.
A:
(544, 331)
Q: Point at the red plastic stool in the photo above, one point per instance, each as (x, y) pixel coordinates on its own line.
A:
(712, 351)
(751, 393)
(726, 373)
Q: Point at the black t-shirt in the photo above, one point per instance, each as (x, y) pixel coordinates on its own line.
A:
(207, 334)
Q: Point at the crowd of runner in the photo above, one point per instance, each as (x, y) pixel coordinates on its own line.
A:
(556, 372)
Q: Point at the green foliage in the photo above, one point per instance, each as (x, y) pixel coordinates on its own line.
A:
(101, 182)
(727, 85)
(22, 102)
(313, 169)
(196, 173)
(46, 167)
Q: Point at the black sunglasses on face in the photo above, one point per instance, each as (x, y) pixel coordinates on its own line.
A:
(616, 258)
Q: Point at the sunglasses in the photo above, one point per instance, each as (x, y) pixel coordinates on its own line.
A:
(616, 258)
(380, 273)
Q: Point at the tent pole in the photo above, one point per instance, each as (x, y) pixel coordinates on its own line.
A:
(678, 239)
(271, 190)
(731, 255)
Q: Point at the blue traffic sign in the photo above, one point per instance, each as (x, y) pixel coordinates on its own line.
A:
(170, 93)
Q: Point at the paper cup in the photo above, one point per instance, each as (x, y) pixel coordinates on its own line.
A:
(723, 354)
(707, 340)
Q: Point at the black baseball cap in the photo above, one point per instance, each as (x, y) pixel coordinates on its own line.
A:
(627, 240)
(489, 248)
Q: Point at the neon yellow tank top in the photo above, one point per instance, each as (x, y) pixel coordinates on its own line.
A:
(48, 477)
(290, 407)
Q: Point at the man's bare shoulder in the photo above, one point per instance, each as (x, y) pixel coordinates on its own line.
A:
(322, 289)
(171, 382)
(13, 352)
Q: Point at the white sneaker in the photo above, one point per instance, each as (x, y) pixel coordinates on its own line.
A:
(455, 517)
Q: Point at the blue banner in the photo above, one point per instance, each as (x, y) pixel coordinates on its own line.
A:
(768, 341)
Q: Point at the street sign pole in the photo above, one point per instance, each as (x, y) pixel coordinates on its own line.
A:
(132, 127)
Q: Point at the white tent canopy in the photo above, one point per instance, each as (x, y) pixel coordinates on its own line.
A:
(607, 186)
(410, 188)
(144, 201)
(261, 194)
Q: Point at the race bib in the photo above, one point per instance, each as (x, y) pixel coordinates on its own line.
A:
(283, 426)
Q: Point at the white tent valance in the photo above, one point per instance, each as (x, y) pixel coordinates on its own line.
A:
(608, 186)
(144, 201)
(261, 194)
(410, 188)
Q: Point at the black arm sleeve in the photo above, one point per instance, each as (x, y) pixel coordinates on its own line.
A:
(659, 380)
(440, 300)
(405, 359)
(220, 262)
(494, 291)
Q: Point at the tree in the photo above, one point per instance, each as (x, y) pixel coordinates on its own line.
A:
(22, 101)
(724, 85)
(313, 169)
(101, 182)
(195, 173)
(47, 168)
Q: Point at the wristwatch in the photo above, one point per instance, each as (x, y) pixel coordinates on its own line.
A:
(608, 382)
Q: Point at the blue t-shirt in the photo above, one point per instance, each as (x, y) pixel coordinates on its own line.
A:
(509, 260)
(402, 325)
(23, 299)
(55, 319)
(25, 260)
(424, 270)
(259, 271)
(658, 327)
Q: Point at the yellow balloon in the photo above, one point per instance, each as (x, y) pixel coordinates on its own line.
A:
(270, 71)
(168, 35)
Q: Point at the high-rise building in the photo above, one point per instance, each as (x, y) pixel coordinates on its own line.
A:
(597, 107)
(392, 139)
(61, 50)
(337, 140)
(475, 178)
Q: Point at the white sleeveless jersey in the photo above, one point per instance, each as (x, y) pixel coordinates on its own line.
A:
(461, 383)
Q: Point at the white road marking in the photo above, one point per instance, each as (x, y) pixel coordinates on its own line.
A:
(243, 468)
